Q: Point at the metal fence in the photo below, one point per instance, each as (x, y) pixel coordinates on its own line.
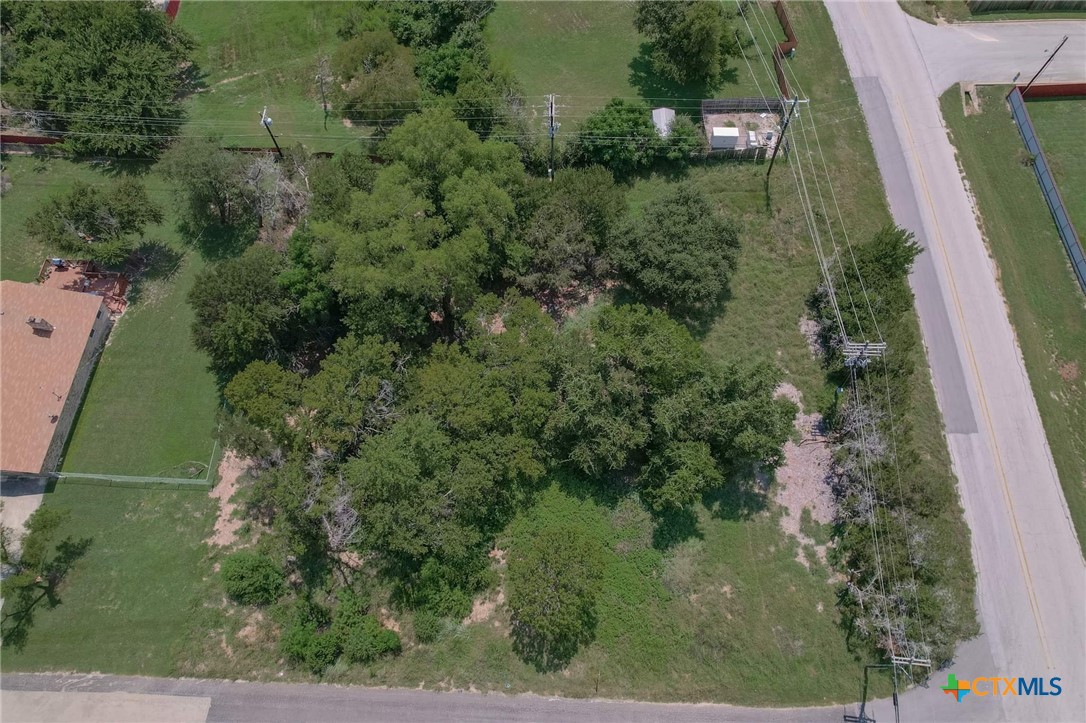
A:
(742, 105)
(1048, 186)
(996, 6)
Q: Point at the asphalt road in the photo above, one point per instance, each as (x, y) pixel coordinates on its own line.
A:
(290, 703)
(1030, 572)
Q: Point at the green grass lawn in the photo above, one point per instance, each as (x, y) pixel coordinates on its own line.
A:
(256, 54)
(957, 11)
(32, 181)
(150, 406)
(725, 615)
(1061, 126)
(588, 53)
(1045, 302)
(126, 605)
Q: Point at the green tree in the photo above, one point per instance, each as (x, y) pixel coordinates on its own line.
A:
(620, 136)
(361, 636)
(406, 493)
(242, 313)
(101, 223)
(352, 396)
(691, 39)
(374, 78)
(252, 579)
(568, 235)
(430, 24)
(266, 394)
(680, 473)
(416, 250)
(638, 395)
(212, 181)
(333, 181)
(680, 254)
(551, 587)
(108, 75)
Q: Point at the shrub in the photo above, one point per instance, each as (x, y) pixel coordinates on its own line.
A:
(252, 579)
(366, 640)
(322, 651)
(303, 641)
(359, 635)
(427, 626)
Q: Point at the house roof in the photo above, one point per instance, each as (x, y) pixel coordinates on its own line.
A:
(37, 366)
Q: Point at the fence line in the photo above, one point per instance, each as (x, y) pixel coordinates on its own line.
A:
(133, 480)
(994, 6)
(1048, 186)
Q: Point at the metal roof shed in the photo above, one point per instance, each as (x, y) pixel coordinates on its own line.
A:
(662, 118)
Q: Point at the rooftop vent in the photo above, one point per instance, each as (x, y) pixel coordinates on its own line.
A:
(38, 324)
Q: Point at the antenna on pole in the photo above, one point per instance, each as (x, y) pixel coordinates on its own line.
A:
(266, 122)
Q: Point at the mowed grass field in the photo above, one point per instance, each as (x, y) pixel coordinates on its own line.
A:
(150, 407)
(590, 52)
(255, 54)
(1046, 304)
(958, 11)
(1061, 126)
(126, 605)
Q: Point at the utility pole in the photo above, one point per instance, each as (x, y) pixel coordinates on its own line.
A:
(266, 122)
(553, 130)
(780, 141)
(321, 77)
(1037, 75)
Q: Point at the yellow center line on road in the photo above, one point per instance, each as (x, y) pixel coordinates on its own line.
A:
(974, 369)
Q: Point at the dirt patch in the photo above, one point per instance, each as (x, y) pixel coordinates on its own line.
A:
(810, 330)
(1069, 371)
(226, 525)
(385, 616)
(802, 481)
(483, 608)
(251, 632)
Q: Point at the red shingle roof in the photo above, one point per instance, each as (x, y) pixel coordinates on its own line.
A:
(37, 367)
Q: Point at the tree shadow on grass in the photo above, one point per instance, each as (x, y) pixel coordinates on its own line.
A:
(652, 87)
(216, 242)
(149, 265)
(674, 527)
(548, 655)
(39, 587)
(742, 497)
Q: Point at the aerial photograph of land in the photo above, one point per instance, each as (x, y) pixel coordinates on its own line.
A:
(542, 360)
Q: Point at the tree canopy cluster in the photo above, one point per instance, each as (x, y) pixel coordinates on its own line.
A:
(691, 40)
(398, 57)
(104, 223)
(445, 389)
(878, 459)
(107, 75)
(621, 136)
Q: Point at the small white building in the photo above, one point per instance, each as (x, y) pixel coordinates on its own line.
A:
(724, 138)
(662, 118)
